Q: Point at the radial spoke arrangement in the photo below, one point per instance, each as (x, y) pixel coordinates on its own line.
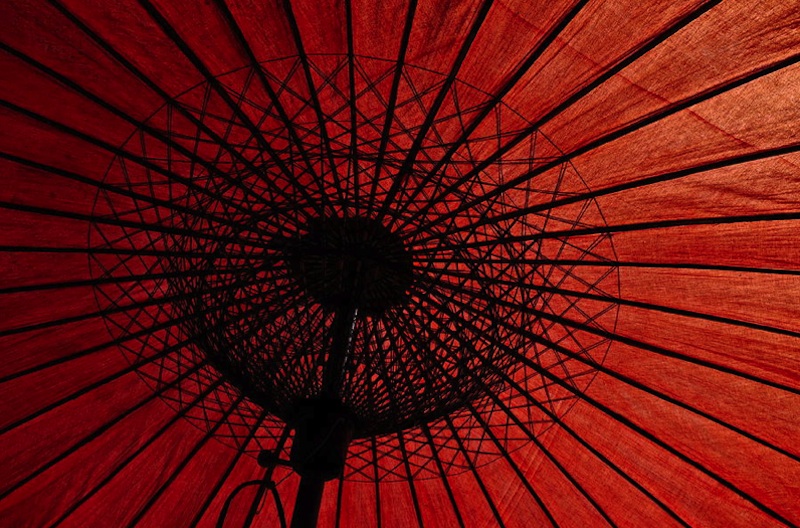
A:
(209, 256)
(398, 244)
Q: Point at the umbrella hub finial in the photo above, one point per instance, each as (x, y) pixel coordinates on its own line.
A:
(335, 254)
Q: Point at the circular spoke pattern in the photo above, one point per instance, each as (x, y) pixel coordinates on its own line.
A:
(245, 210)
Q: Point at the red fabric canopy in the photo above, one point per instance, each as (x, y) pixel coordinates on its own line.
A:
(635, 163)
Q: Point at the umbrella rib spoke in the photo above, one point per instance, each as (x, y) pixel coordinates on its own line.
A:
(681, 222)
(529, 433)
(526, 65)
(634, 126)
(413, 151)
(479, 480)
(185, 462)
(351, 77)
(377, 485)
(143, 126)
(326, 142)
(102, 429)
(730, 161)
(606, 297)
(108, 379)
(587, 360)
(387, 123)
(622, 228)
(119, 341)
(156, 89)
(44, 211)
(275, 99)
(142, 161)
(644, 433)
(265, 483)
(410, 480)
(443, 474)
(509, 412)
(141, 449)
(102, 251)
(173, 35)
(623, 264)
(224, 477)
(116, 280)
(488, 430)
(557, 420)
(152, 301)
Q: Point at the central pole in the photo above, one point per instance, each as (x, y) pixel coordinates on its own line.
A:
(323, 434)
(307, 503)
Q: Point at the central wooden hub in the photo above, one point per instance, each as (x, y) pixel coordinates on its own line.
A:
(352, 261)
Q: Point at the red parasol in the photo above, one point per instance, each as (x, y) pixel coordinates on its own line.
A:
(352, 263)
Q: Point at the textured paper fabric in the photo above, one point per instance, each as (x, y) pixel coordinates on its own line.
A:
(682, 120)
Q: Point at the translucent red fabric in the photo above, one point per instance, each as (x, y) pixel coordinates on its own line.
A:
(679, 121)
